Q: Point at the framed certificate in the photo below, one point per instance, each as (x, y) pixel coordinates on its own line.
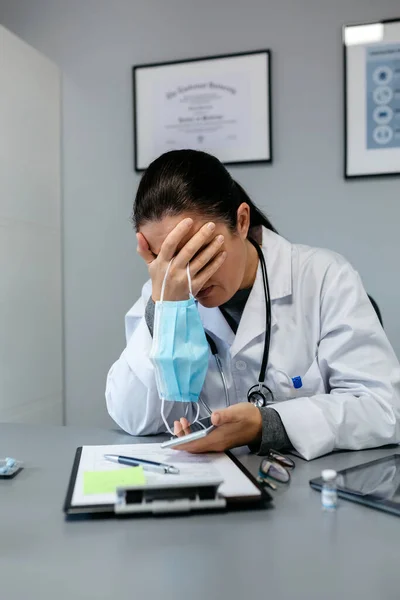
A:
(220, 104)
(372, 99)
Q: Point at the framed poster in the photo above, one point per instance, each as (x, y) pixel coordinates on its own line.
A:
(219, 104)
(372, 99)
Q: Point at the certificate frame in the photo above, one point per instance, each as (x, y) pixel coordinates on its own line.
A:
(234, 89)
(371, 59)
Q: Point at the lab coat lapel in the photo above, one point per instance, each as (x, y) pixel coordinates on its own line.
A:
(252, 322)
(214, 322)
(278, 258)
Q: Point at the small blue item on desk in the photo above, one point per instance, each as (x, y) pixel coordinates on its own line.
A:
(9, 467)
(297, 382)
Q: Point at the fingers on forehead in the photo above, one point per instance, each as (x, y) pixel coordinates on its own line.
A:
(175, 238)
(179, 238)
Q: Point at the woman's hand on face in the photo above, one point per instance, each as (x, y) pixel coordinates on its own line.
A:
(203, 263)
(237, 425)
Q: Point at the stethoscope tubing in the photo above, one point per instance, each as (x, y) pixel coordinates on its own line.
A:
(264, 364)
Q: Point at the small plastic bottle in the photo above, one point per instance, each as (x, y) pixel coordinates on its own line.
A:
(329, 490)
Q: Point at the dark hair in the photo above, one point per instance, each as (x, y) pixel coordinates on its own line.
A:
(192, 181)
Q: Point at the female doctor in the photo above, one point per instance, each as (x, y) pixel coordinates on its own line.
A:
(295, 354)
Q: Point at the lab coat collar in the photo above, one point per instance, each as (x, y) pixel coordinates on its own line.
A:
(278, 257)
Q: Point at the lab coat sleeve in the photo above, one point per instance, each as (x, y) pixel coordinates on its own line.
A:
(131, 391)
(358, 367)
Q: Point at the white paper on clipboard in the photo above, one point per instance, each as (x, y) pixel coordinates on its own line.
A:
(194, 468)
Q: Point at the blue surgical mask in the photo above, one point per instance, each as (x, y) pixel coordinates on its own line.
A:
(180, 350)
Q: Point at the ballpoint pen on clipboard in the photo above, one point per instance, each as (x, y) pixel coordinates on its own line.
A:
(148, 465)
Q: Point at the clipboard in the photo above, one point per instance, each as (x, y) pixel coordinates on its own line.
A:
(231, 487)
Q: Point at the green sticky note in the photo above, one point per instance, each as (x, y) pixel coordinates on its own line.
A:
(106, 482)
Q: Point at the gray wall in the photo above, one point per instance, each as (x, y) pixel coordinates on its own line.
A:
(96, 42)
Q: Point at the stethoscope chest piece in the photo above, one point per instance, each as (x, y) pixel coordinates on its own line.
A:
(260, 395)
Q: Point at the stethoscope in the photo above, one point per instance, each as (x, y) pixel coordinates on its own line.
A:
(259, 394)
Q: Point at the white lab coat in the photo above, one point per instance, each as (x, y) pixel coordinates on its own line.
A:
(324, 330)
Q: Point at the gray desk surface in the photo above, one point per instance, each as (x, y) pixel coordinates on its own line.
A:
(292, 551)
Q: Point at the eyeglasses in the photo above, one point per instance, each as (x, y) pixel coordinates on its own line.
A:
(275, 466)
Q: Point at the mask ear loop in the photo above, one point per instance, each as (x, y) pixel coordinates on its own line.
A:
(164, 283)
(165, 280)
(164, 419)
(166, 422)
(191, 296)
(189, 280)
(161, 300)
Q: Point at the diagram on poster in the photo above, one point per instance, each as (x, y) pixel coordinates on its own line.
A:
(383, 96)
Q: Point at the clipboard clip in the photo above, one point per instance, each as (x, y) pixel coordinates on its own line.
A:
(169, 498)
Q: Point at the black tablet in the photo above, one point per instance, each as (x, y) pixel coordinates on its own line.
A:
(375, 484)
